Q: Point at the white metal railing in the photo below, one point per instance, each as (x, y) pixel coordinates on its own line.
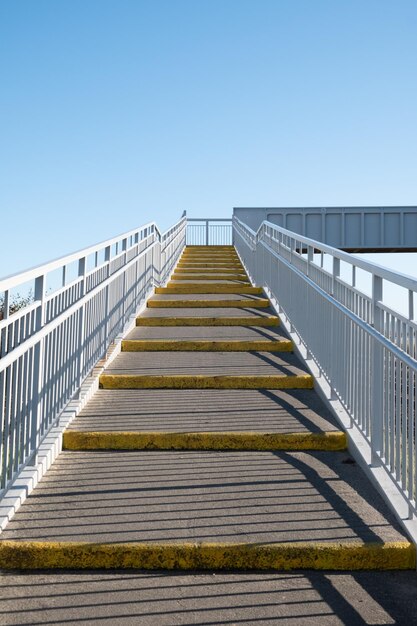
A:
(77, 306)
(364, 348)
(209, 232)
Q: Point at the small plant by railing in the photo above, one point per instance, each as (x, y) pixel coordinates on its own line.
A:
(18, 302)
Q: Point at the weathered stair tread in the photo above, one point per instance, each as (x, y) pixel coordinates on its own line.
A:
(210, 333)
(198, 281)
(207, 296)
(207, 363)
(243, 497)
(217, 410)
(220, 312)
(134, 598)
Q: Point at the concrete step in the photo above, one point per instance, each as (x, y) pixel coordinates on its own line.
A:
(201, 345)
(207, 410)
(235, 278)
(198, 317)
(190, 280)
(201, 381)
(197, 510)
(225, 320)
(207, 288)
(232, 263)
(206, 296)
(210, 364)
(206, 370)
(208, 333)
(261, 303)
(134, 598)
(134, 440)
(208, 270)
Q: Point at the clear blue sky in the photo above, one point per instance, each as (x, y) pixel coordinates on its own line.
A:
(116, 112)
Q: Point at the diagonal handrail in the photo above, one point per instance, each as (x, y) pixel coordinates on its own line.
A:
(363, 348)
(49, 346)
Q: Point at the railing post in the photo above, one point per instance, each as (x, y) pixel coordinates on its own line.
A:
(38, 355)
(207, 232)
(107, 252)
(124, 249)
(335, 274)
(80, 358)
(377, 374)
(310, 258)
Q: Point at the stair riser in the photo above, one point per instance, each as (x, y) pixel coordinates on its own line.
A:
(205, 346)
(131, 381)
(215, 259)
(331, 441)
(235, 277)
(262, 303)
(33, 555)
(204, 288)
(218, 267)
(208, 321)
(210, 271)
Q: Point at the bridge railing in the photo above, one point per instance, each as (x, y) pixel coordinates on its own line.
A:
(209, 232)
(362, 346)
(62, 322)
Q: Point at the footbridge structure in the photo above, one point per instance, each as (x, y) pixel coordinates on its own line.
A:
(212, 397)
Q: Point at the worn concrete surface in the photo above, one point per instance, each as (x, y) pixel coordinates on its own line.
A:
(207, 599)
(165, 496)
(207, 363)
(219, 312)
(207, 296)
(210, 333)
(193, 410)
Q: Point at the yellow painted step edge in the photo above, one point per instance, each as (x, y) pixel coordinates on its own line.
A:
(209, 263)
(24, 555)
(201, 345)
(330, 441)
(211, 253)
(215, 271)
(269, 320)
(215, 258)
(261, 303)
(190, 381)
(207, 288)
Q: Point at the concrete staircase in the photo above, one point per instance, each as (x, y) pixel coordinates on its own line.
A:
(206, 447)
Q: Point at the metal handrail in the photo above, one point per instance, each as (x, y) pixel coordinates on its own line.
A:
(49, 347)
(210, 231)
(403, 280)
(365, 350)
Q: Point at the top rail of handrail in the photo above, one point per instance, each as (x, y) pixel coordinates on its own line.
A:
(12, 280)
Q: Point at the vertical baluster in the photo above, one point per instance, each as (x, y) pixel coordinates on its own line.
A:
(38, 374)
(377, 372)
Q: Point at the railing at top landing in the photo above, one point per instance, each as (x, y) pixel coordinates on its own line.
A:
(363, 348)
(209, 232)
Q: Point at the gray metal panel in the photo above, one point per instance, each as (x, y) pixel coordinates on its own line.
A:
(355, 229)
